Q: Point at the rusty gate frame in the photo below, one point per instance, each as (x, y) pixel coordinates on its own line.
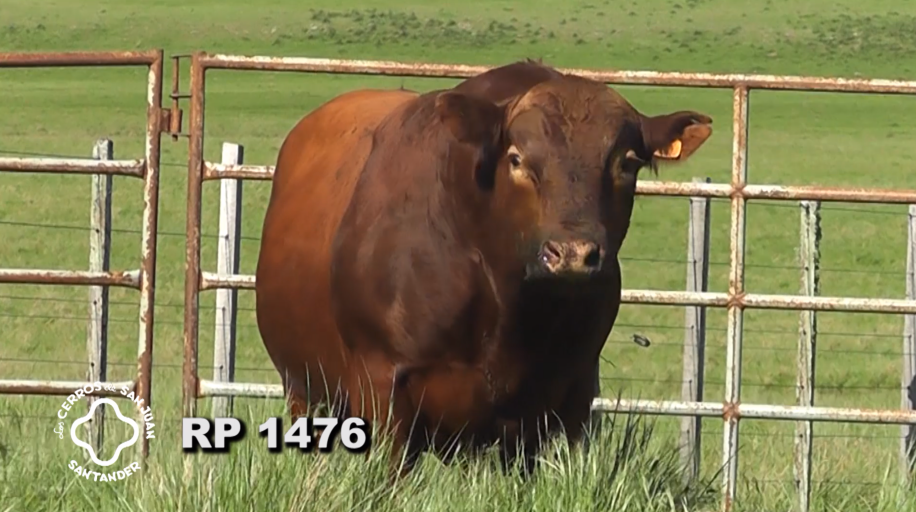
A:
(147, 169)
(738, 191)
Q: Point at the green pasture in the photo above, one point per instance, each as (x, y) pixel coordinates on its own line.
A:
(795, 138)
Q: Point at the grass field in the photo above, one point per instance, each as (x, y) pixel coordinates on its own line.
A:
(796, 138)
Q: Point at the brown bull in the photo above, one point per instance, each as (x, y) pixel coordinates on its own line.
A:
(317, 167)
(468, 245)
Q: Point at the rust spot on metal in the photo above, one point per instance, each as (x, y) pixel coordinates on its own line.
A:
(736, 300)
(727, 503)
(164, 119)
(730, 411)
(170, 121)
(737, 190)
(175, 122)
(144, 362)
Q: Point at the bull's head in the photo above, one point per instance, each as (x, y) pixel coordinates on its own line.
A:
(558, 165)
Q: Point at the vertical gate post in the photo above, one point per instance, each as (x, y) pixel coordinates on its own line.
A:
(908, 381)
(734, 328)
(190, 381)
(809, 256)
(230, 232)
(99, 261)
(695, 331)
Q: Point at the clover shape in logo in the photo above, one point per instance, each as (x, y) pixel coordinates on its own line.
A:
(82, 444)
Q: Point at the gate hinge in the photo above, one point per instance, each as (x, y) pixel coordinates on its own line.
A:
(170, 118)
(170, 121)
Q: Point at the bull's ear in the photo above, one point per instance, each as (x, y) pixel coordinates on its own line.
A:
(674, 137)
(478, 122)
(471, 119)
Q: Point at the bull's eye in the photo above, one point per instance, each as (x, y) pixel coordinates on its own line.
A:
(519, 174)
(515, 159)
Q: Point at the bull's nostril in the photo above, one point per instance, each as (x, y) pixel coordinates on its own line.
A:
(593, 257)
(551, 253)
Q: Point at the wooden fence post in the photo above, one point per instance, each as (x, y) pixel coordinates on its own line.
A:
(809, 257)
(908, 380)
(695, 330)
(230, 232)
(99, 261)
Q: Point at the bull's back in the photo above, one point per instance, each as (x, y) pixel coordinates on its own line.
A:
(317, 168)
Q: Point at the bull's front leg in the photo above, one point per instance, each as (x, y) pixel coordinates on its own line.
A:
(376, 396)
(575, 413)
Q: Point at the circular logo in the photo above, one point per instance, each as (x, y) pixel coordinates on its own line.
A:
(95, 467)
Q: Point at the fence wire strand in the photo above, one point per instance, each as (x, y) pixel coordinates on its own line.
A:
(617, 326)
(670, 261)
(615, 379)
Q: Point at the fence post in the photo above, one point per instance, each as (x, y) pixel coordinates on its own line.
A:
(809, 256)
(230, 232)
(908, 381)
(695, 330)
(99, 261)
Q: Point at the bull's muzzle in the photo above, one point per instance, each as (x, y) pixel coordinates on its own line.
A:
(572, 257)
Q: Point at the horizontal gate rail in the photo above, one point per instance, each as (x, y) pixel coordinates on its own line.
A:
(653, 78)
(755, 411)
(58, 387)
(134, 168)
(738, 191)
(127, 279)
(218, 171)
(146, 169)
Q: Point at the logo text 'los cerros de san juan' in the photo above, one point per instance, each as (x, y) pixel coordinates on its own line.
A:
(95, 468)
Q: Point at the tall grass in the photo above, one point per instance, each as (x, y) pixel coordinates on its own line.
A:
(624, 468)
(627, 467)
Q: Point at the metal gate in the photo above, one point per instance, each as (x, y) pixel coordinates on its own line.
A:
(739, 191)
(146, 169)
